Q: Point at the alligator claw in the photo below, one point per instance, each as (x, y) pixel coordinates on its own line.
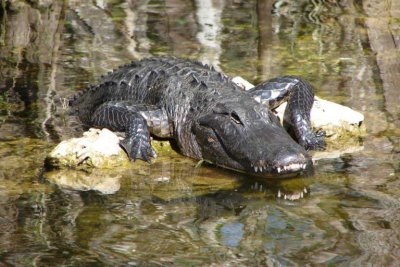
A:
(315, 142)
(320, 133)
(138, 149)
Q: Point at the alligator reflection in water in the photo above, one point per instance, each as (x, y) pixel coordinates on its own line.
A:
(174, 178)
(139, 213)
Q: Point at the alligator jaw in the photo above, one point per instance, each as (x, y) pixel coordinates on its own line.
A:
(280, 170)
(293, 167)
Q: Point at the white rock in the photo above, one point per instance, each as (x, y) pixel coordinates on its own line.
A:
(94, 141)
(325, 113)
(96, 148)
(242, 83)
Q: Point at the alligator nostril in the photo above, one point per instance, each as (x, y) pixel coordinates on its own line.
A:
(235, 118)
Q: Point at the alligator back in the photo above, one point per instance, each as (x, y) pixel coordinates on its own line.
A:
(177, 85)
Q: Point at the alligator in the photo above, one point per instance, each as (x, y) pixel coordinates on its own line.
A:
(206, 114)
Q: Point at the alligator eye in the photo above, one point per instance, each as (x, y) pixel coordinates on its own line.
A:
(235, 118)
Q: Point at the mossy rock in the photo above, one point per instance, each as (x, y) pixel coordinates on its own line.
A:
(96, 149)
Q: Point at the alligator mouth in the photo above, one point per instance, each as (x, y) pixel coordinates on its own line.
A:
(263, 168)
(292, 168)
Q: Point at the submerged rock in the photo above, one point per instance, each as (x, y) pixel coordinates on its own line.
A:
(99, 181)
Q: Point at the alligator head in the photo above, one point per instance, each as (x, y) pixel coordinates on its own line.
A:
(248, 137)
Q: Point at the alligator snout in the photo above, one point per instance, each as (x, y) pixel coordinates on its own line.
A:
(284, 162)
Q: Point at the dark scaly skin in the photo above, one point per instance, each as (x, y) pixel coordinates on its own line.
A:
(207, 115)
(300, 97)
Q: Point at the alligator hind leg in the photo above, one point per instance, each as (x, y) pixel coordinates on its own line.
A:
(300, 97)
(119, 116)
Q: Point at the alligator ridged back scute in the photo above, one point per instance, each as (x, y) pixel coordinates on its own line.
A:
(203, 85)
(195, 80)
(76, 97)
(167, 81)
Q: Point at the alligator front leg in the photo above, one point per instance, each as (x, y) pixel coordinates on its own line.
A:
(126, 117)
(300, 97)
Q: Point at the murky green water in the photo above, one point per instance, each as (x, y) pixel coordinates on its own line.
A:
(171, 213)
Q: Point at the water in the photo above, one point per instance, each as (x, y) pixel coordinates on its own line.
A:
(171, 213)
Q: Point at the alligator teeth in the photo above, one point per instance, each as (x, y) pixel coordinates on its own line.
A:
(291, 167)
(294, 166)
(259, 168)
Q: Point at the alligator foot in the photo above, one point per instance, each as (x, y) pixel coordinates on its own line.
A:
(313, 141)
(125, 116)
(138, 149)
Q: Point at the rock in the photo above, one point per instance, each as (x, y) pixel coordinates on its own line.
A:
(332, 117)
(96, 149)
(246, 85)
